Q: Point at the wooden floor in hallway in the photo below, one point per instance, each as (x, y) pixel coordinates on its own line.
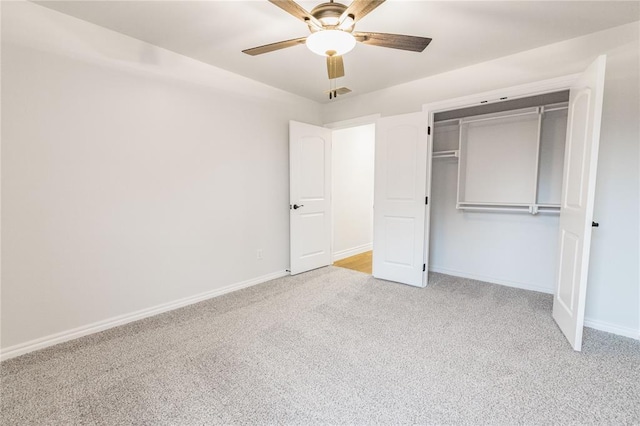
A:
(360, 262)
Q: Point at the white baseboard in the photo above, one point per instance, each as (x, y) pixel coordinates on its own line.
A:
(612, 328)
(64, 336)
(493, 280)
(343, 254)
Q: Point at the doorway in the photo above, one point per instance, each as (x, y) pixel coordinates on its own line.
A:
(496, 186)
(352, 164)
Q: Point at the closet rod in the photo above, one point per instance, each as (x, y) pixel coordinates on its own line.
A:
(500, 209)
(531, 209)
(489, 203)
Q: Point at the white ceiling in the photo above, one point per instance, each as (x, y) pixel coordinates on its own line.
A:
(463, 33)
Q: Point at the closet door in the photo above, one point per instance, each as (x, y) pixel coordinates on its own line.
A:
(310, 196)
(576, 209)
(399, 199)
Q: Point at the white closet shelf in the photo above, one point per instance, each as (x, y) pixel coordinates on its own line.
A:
(556, 107)
(446, 154)
(500, 115)
(548, 208)
(509, 207)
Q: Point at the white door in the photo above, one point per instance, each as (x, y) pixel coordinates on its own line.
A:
(576, 210)
(400, 199)
(309, 196)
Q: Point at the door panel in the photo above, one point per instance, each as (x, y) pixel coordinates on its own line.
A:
(569, 250)
(576, 209)
(401, 164)
(312, 172)
(399, 199)
(400, 238)
(310, 186)
(576, 147)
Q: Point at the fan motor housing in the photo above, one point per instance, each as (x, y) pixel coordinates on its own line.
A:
(328, 14)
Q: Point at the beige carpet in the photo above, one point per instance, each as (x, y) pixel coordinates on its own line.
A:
(334, 346)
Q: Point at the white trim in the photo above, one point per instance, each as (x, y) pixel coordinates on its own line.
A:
(612, 328)
(492, 96)
(343, 254)
(493, 280)
(64, 336)
(353, 122)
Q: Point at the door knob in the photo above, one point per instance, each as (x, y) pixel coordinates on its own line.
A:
(296, 207)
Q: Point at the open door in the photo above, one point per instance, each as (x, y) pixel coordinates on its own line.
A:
(309, 196)
(576, 209)
(400, 199)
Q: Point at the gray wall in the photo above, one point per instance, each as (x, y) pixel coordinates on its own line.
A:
(131, 176)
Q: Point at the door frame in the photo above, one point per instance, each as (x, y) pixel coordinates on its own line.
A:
(490, 97)
(508, 93)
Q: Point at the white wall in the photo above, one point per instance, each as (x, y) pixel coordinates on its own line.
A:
(613, 300)
(131, 176)
(613, 296)
(352, 190)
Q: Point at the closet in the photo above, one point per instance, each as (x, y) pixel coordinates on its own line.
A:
(496, 188)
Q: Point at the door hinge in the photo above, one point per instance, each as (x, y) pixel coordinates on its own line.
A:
(424, 267)
(428, 130)
(426, 200)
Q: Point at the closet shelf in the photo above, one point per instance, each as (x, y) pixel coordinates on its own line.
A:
(500, 115)
(510, 207)
(548, 209)
(447, 154)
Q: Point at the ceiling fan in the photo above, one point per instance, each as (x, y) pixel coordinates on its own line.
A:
(332, 33)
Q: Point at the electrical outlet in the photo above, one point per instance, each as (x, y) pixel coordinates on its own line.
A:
(259, 254)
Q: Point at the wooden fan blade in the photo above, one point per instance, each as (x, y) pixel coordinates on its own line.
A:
(359, 9)
(335, 67)
(274, 46)
(294, 9)
(394, 41)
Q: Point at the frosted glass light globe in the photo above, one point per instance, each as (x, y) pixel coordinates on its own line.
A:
(331, 42)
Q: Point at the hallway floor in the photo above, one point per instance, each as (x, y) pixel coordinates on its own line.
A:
(360, 262)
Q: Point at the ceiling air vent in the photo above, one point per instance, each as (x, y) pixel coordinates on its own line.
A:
(335, 92)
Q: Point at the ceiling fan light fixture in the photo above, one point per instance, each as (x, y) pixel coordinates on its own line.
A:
(331, 42)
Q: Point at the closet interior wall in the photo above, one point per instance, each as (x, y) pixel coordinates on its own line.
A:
(495, 191)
